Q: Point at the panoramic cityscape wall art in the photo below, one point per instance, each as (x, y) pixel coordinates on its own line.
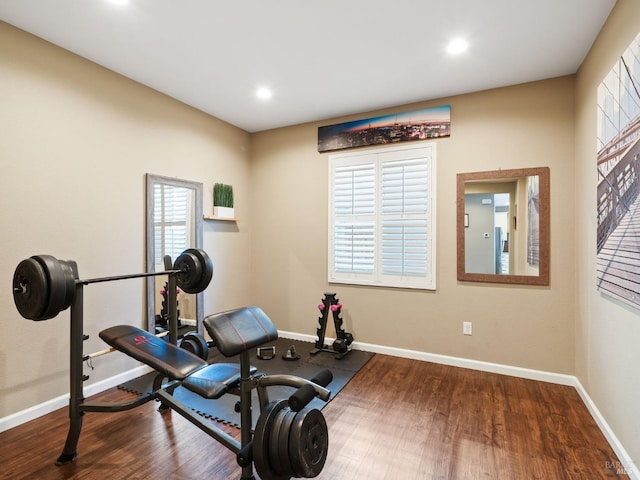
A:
(425, 124)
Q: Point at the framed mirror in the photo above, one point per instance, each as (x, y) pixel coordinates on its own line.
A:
(173, 224)
(503, 232)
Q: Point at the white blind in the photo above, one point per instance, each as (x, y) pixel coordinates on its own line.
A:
(354, 210)
(354, 190)
(404, 247)
(405, 201)
(381, 211)
(354, 248)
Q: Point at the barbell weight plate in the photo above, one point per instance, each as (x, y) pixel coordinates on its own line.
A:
(190, 271)
(276, 433)
(42, 287)
(196, 344)
(196, 270)
(284, 460)
(30, 289)
(207, 268)
(61, 285)
(308, 443)
(261, 447)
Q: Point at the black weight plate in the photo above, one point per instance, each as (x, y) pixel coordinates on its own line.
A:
(282, 447)
(196, 344)
(57, 285)
(274, 440)
(190, 271)
(196, 270)
(206, 267)
(30, 289)
(261, 447)
(70, 281)
(308, 443)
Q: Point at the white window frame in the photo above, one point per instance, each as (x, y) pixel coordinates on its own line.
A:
(374, 276)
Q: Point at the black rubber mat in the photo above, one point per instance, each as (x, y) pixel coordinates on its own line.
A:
(222, 409)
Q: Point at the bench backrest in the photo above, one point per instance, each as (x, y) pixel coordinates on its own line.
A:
(239, 330)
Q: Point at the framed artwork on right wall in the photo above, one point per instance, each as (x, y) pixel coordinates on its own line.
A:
(618, 185)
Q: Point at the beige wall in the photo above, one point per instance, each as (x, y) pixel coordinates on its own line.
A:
(528, 125)
(75, 143)
(76, 140)
(607, 332)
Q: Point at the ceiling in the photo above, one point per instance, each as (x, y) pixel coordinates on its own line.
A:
(321, 59)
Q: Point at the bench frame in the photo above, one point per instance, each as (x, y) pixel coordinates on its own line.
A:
(163, 391)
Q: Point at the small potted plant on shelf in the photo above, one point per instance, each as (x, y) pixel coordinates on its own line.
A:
(223, 201)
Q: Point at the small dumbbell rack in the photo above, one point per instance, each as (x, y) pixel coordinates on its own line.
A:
(342, 344)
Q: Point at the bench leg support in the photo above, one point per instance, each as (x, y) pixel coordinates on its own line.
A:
(245, 410)
(76, 395)
(203, 424)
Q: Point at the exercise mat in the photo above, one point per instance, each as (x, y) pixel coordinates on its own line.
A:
(222, 409)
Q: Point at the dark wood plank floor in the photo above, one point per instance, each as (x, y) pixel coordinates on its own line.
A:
(397, 419)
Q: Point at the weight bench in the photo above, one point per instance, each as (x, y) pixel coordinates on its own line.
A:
(300, 448)
(210, 381)
(290, 439)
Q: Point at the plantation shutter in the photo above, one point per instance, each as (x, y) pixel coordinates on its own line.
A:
(381, 217)
(405, 229)
(354, 213)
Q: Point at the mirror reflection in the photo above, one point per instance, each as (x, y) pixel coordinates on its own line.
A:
(503, 219)
(174, 223)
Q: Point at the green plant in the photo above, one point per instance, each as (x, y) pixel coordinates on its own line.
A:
(223, 195)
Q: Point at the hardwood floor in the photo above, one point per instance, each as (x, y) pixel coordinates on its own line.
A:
(397, 419)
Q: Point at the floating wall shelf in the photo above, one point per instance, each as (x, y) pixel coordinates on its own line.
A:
(220, 219)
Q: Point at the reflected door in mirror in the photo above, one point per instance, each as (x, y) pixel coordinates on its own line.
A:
(487, 233)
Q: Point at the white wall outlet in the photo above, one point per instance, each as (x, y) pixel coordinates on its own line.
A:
(467, 328)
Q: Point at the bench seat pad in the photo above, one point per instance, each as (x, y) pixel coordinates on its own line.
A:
(215, 380)
(164, 357)
(239, 330)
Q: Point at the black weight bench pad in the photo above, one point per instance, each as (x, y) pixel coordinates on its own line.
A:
(208, 381)
(215, 380)
(239, 330)
(164, 357)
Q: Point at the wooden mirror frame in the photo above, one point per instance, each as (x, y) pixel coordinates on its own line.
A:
(544, 217)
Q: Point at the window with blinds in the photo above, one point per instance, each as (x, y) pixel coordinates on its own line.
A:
(172, 214)
(381, 226)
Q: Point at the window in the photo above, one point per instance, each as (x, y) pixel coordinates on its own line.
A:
(381, 217)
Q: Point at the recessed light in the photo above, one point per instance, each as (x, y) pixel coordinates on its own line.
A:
(119, 2)
(263, 93)
(457, 46)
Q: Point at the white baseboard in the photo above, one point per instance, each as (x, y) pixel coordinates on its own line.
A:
(447, 360)
(49, 406)
(626, 466)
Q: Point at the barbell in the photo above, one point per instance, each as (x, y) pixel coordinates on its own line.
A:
(44, 286)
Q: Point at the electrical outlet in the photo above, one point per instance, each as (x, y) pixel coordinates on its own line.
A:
(467, 328)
